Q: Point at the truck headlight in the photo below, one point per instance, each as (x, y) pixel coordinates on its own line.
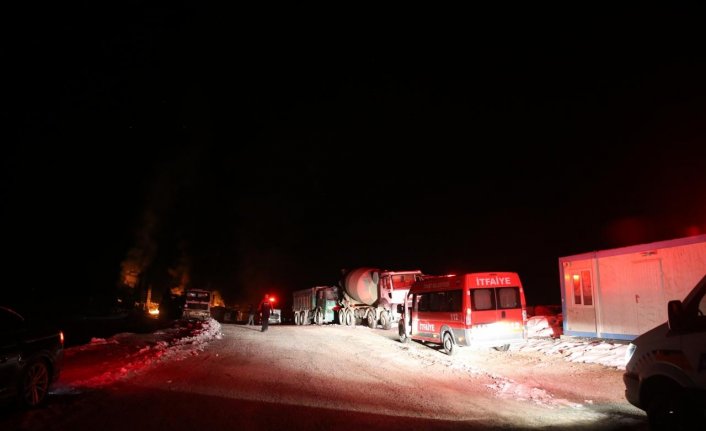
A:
(629, 352)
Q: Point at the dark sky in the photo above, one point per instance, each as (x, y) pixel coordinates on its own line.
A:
(258, 152)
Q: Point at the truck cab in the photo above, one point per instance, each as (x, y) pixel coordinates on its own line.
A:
(197, 304)
(665, 372)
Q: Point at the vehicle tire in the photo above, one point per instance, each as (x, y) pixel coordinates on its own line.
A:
(448, 344)
(296, 318)
(372, 320)
(350, 321)
(402, 333)
(305, 317)
(342, 317)
(318, 318)
(34, 384)
(503, 348)
(667, 409)
(385, 320)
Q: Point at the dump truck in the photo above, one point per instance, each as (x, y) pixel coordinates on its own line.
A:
(372, 295)
(315, 304)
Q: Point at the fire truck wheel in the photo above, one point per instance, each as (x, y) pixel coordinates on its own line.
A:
(296, 318)
(385, 320)
(318, 318)
(503, 348)
(449, 345)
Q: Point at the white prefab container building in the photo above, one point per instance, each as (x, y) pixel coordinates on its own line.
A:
(621, 293)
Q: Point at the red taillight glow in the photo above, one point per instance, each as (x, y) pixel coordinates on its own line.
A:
(61, 338)
(272, 299)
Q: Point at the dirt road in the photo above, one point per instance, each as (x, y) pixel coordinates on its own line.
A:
(334, 377)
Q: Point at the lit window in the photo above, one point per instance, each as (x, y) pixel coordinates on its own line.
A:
(583, 288)
(577, 289)
(587, 288)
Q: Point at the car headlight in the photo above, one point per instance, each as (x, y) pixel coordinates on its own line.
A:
(629, 352)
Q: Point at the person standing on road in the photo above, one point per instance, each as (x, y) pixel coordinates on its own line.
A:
(251, 315)
(265, 313)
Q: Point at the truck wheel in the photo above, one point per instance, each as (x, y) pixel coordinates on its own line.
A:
(503, 348)
(403, 334)
(341, 317)
(318, 318)
(385, 320)
(372, 321)
(347, 316)
(449, 345)
(296, 318)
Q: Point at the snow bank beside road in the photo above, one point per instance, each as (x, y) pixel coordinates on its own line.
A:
(104, 361)
(545, 335)
(610, 354)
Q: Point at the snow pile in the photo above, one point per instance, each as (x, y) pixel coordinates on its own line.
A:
(96, 341)
(508, 389)
(192, 345)
(545, 326)
(603, 352)
(545, 334)
(104, 361)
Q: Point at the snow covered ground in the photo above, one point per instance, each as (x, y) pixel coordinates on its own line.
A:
(229, 367)
(104, 361)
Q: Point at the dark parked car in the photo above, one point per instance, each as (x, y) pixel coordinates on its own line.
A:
(30, 358)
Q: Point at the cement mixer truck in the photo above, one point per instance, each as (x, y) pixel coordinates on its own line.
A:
(372, 295)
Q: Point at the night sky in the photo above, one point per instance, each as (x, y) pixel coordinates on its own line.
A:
(255, 153)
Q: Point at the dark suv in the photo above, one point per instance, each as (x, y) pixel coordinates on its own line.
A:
(30, 358)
